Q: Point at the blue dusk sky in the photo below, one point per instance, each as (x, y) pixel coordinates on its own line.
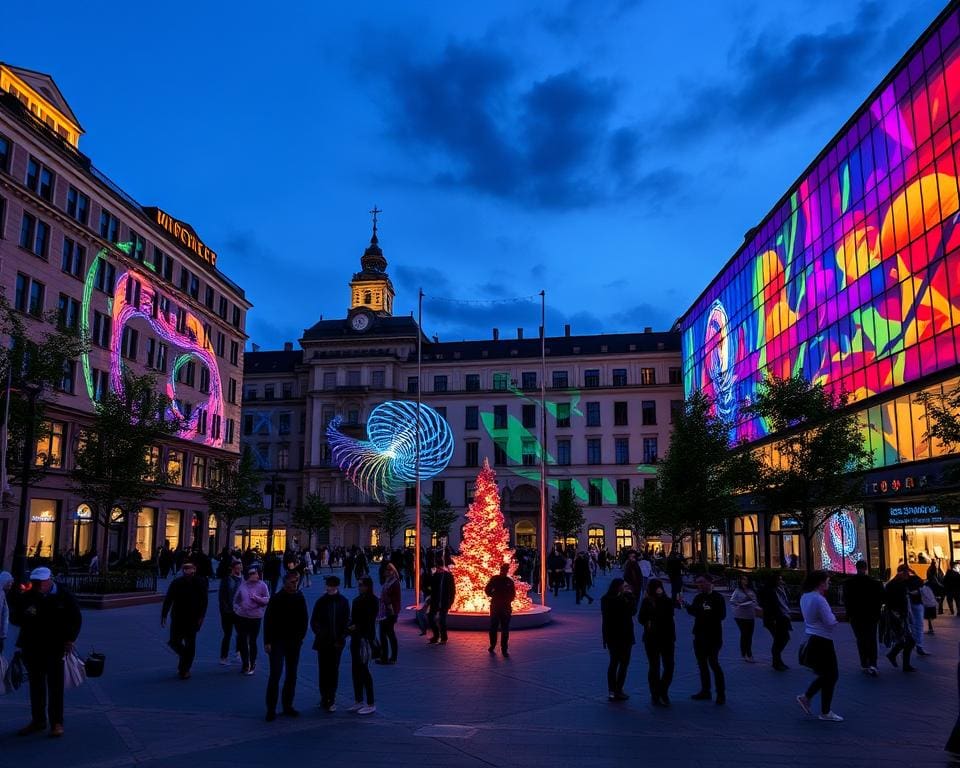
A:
(610, 152)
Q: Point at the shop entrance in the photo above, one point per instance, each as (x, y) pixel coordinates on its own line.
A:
(920, 545)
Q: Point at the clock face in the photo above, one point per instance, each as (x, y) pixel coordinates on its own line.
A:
(360, 322)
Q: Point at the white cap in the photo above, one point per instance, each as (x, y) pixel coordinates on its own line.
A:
(40, 574)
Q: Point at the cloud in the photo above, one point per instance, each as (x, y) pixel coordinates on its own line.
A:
(413, 278)
(576, 16)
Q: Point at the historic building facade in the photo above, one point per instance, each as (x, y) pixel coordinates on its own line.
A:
(609, 404)
(146, 290)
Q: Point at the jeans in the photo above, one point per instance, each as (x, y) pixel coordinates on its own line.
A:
(360, 671)
(283, 655)
(247, 632)
(500, 619)
(388, 639)
(708, 658)
(660, 668)
(228, 624)
(328, 659)
(439, 629)
(824, 657)
(781, 636)
(183, 640)
(617, 668)
(865, 630)
(916, 624)
(45, 674)
(746, 636)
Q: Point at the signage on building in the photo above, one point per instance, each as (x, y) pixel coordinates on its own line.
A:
(43, 517)
(183, 233)
(917, 514)
(896, 485)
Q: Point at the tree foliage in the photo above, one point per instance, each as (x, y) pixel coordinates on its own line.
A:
(312, 515)
(234, 490)
(566, 515)
(643, 517)
(818, 455)
(438, 516)
(393, 519)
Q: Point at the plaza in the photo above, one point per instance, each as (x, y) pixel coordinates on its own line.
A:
(457, 705)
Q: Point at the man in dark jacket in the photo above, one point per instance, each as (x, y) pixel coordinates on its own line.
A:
(581, 577)
(863, 598)
(49, 621)
(632, 574)
(951, 587)
(349, 562)
(228, 590)
(443, 591)
(501, 590)
(329, 622)
(674, 568)
(708, 610)
(776, 617)
(284, 627)
(186, 604)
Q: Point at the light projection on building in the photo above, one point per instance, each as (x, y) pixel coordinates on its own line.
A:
(386, 462)
(853, 280)
(841, 541)
(135, 297)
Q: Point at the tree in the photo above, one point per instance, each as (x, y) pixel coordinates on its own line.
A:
(437, 516)
(234, 491)
(820, 452)
(699, 477)
(943, 425)
(113, 465)
(313, 515)
(566, 515)
(393, 519)
(641, 514)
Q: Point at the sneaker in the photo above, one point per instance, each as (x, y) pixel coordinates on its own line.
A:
(611, 696)
(620, 696)
(832, 717)
(355, 707)
(922, 652)
(368, 710)
(249, 671)
(874, 672)
(224, 661)
(332, 708)
(804, 703)
(433, 641)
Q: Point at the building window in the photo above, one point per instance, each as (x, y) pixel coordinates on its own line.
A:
(648, 376)
(593, 450)
(128, 343)
(676, 410)
(22, 292)
(648, 410)
(3, 217)
(353, 378)
(501, 381)
(528, 380)
(50, 445)
(105, 277)
(283, 424)
(622, 450)
(208, 297)
(165, 264)
(593, 414)
(73, 258)
(410, 496)
(69, 377)
(528, 452)
(34, 235)
(563, 453)
(247, 424)
(199, 475)
(283, 457)
(620, 414)
(230, 428)
(499, 454)
(286, 390)
(68, 312)
(412, 385)
(595, 492)
(174, 467)
(473, 454)
(499, 417)
(78, 205)
(194, 287)
(39, 179)
(439, 383)
(529, 416)
(596, 536)
(138, 246)
(377, 379)
(591, 377)
(623, 492)
(563, 414)
(439, 489)
(560, 380)
(473, 382)
(650, 450)
(234, 353)
(109, 226)
(29, 295)
(6, 151)
(330, 380)
(237, 319)
(619, 377)
(204, 379)
(676, 377)
(745, 541)
(472, 417)
(624, 539)
(42, 527)
(100, 383)
(268, 392)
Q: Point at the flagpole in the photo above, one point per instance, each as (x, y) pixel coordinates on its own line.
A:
(416, 554)
(543, 448)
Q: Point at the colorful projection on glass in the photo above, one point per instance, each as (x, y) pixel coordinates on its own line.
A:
(383, 464)
(854, 280)
(842, 541)
(135, 296)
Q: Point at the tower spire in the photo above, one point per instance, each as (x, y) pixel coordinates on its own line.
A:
(374, 212)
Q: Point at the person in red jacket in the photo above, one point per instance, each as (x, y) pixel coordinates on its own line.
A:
(387, 615)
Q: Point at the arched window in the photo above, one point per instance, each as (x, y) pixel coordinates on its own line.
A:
(596, 536)
(525, 534)
(367, 297)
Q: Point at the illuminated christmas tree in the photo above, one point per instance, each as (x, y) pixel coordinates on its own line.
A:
(485, 547)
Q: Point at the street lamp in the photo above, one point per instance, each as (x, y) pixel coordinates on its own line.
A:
(32, 391)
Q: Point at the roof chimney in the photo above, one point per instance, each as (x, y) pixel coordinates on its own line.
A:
(648, 329)
(566, 329)
(519, 333)
(288, 346)
(496, 334)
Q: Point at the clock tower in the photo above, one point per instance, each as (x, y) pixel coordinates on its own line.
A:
(371, 292)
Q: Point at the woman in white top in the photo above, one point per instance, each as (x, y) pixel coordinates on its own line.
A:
(744, 603)
(821, 656)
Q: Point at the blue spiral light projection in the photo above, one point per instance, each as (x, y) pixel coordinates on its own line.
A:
(387, 461)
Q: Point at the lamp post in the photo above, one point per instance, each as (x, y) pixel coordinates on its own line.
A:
(32, 392)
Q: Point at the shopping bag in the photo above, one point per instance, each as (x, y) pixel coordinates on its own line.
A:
(4, 664)
(15, 674)
(94, 664)
(73, 670)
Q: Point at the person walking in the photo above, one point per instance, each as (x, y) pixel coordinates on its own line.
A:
(568, 571)
(951, 587)
(329, 622)
(863, 599)
(249, 605)
(895, 620)
(6, 584)
(389, 610)
(228, 619)
(617, 609)
(632, 574)
(708, 610)
(49, 620)
(363, 616)
(186, 605)
(659, 640)
(646, 571)
(914, 585)
(928, 597)
(349, 560)
(443, 591)
(819, 622)
(674, 569)
(284, 627)
(776, 617)
(745, 603)
(581, 578)
(501, 590)
(555, 563)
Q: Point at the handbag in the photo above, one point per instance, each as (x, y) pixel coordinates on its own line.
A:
(74, 672)
(15, 675)
(804, 657)
(94, 664)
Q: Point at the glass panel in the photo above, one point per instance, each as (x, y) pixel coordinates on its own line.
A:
(146, 527)
(42, 530)
(171, 531)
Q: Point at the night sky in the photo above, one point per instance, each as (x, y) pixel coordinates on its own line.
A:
(610, 152)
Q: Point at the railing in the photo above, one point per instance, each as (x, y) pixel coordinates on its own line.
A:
(111, 583)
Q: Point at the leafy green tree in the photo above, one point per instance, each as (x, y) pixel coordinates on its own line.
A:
(234, 490)
(566, 515)
(817, 459)
(113, 467)
(943, 425)
(438, 516)
(641, 514)
(393, 519)
(313, 515)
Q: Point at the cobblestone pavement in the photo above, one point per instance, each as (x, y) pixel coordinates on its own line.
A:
(456, 705)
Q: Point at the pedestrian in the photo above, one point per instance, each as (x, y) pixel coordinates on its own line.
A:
(914, 585)
(821, 656)
(249, 605)
(284, 627)
(776, 617)
(951, 587)
(501, 590)
(929, 599)
(895, 620)
(935, 580)
(581, 578)
(863, 600)
(568, 572)
(745, 604)
(349, 561)
(443, 591)
(329, 622)
(659, 640)
(228, 619)
(674, 569)
(646, 571)
(617, 609)
(708, 610)
(389, 610)
(363, 615)
(555, 563)
(632, 574)
(186, 605)
(6, 584)
(49, 620)
(307, 569)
